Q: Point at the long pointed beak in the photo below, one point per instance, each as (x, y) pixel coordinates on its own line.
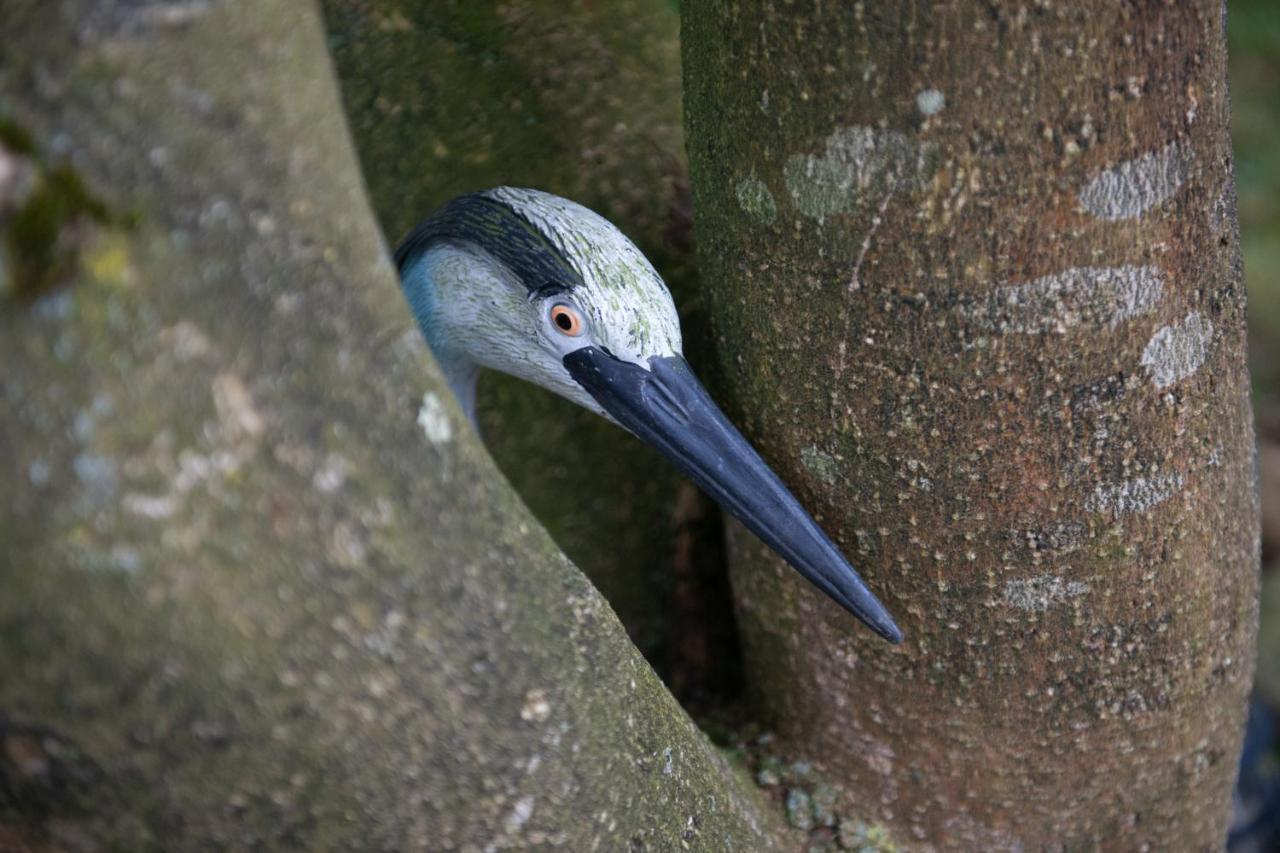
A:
(667, 407)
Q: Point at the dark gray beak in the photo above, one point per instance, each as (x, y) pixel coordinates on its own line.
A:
(667, 407)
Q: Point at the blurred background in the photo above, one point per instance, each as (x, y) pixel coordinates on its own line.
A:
(1254, 33)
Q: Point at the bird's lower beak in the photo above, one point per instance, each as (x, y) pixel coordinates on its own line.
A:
(666, 406)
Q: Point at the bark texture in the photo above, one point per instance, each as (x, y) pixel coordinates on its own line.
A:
(975, 282)
(583, 100)
(262, 587)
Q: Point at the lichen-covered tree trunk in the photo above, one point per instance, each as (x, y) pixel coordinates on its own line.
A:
(262, 587)
(974, 276)
(582, 100)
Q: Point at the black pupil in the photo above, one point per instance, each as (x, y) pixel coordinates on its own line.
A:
(563, 320)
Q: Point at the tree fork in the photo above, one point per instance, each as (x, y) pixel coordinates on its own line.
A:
(582, 100)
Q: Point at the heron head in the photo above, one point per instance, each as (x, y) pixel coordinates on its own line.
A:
(539, 287)
(516, 280)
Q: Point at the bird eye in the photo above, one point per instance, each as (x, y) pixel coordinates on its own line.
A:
(567, 320)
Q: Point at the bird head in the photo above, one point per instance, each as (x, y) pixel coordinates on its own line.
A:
(544, 289)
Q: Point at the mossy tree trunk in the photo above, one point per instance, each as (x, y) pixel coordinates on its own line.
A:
(262, 587)
(580, 99)
(974, 277)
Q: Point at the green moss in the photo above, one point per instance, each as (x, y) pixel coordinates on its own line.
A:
(865, 837)
(16, 138)
(37, 258)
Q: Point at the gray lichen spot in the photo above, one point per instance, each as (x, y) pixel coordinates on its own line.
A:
(332, 474)
(856, 160)
(1137, 494)
(519, 815)
(153, 507)
(1135, 186)
(930, 102)
(98, 475)
(137, 16)
(1097, 297)
(434, 420)
(1177, 351)
(1040, 593)
(537, 706)
(799, 809)
(756, 200)
(821, 464)
(1061, 537)
(855, 834)
(235, 406)
(1222, 215)
(38, 473)
(121, 559)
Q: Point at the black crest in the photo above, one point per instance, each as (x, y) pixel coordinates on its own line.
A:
(491, 225)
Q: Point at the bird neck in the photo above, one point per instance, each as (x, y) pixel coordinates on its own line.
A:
(421, 287)
(461, 373)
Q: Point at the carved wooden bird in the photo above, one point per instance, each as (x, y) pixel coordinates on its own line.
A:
(544, 289)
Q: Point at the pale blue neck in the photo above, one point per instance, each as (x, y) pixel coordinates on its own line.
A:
(460, 371)
(461, 374)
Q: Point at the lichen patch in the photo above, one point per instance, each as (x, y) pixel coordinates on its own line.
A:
(1136, 494)
(536, 707)
(1093, 297)
(821, 464)
(1177, 351)
(1039, 593)
(756, 201)
(854, 161)
(434, 420)
(930, 101)
(1131, 188)
(519, 815)
(235, 406)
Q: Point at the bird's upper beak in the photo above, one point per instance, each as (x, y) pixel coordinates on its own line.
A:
(666, 406)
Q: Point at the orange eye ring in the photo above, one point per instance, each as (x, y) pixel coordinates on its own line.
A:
(567, 321)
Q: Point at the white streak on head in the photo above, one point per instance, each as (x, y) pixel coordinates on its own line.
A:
(1137, 494)
(855, 160)
(1040, 592)
(630, 309)
(1097, 297)
(1177, 351)
(434, 420)
(1133, 187)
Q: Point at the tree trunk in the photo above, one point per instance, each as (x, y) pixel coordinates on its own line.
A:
(263, 589)
(582, 100)
(974, 277)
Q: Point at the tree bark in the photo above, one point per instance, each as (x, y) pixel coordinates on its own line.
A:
(582, 100)
(974, 277)
(262, 586)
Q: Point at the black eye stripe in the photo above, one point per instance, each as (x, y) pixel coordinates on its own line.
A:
(551, 288)
(496, 228)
